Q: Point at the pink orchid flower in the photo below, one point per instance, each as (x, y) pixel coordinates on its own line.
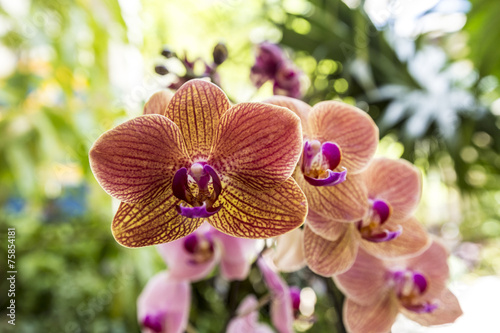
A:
(200, 159)
(163, 306)
(377, 290)
(193, 257)
(339, 142)
(387, 230)
(247, 316)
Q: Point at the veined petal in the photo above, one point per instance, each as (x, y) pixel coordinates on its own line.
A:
(300, 108)
(257, 144)
(447, 311)
(164, 304)
(345, 202)
(395, 181)
(136, 161)
(349, 127)
(137, 225)
(247, 213)
(327, 258)
(197, 108)
(157, 104)
(412, 241)
(377, 317)
(327, 228)
(288, 255)
(365, 281)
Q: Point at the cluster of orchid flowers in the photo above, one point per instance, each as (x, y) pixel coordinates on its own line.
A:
(202, 179)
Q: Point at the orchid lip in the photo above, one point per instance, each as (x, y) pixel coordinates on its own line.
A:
(384, 236)
(421, 308)
(334, 178)
(319, 161)
(202, 202)
(154, 322)
(382, 209)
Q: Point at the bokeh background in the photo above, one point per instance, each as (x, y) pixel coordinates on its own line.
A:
(427, 72)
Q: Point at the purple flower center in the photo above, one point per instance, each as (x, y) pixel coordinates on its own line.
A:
(295, 295)
(199, 187)
(154, 322)
(409, 286)
(319, 161)
(200, 246)
(372, 228)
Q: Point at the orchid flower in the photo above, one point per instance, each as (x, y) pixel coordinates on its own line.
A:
(387, 230)
(377, 290)
(193, 257)
(339, 142)
(199, 158)
(163, 306)
(288, 255)
(247, 316)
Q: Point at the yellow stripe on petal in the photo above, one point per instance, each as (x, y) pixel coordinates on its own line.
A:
(350, 128)
(327, 258)
(137, 225)
(136, 161)
(257, 144)
(247, 213)
(196, 108)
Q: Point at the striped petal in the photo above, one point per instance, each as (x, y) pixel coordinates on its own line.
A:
(395, 181)
(374, 318)
(157, 104)
(137, 225)
(327, 228)
(196, 108)
(257, 144)
(300, 108)
(432, 263)
(136, 161)
(365, 281)
(247, 213)
(345, 202)
(347, 126)
(327, 258)
(412, 241)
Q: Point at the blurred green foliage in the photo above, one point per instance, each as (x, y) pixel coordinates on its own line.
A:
(60, 96)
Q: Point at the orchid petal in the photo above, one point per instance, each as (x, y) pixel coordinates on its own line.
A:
(164, 304)
(328, 229)
(345, 202)
(289, 252)
(181, 263)
(412, 241)
(333, 178)
(157, 104)
(236, 255)
(197, 108)
(447, 311)
(395, 181)
(247, 213)
(246, 321)
(300, 108)
(136, 161)
(281, 302)
(365, 281)
(136, 225)
(254, 151)
(347, 126)
(377, 317)
(327, 258)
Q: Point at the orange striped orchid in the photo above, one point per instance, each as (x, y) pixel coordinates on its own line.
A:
(339, 142)
(387, 230)
(194, 157)
(377, 290)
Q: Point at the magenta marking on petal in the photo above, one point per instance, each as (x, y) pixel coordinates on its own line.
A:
(154, 322)
(332, 153)
(179, 184)
(197, 211)
(191, 243)
(384, 236)
(382, 209)
(295, 295)
(420, 281)
(215, 179)
(334, 178)
(421, 308)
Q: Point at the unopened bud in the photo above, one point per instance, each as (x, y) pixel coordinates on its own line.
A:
(162, 70)
(220, 53)
(167, 53)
